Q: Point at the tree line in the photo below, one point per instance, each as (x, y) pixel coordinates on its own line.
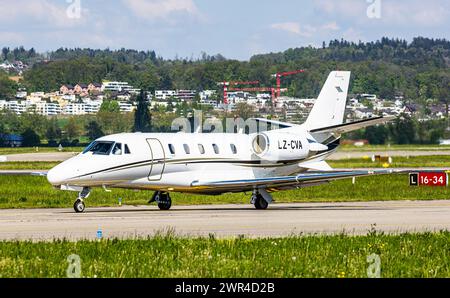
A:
(388, 67)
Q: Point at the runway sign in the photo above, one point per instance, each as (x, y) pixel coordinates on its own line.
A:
(428, 179)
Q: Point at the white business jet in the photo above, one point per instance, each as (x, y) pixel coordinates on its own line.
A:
(291, 156)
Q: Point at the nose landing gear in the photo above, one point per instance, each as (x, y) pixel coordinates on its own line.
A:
(163, 200)
(79, 205)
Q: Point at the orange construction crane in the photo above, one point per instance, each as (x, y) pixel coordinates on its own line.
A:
(284, 74)
(256, 89)
(227, 84)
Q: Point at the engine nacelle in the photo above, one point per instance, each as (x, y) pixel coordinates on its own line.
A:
(280, 146)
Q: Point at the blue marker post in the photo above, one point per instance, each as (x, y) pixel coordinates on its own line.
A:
(99, 234)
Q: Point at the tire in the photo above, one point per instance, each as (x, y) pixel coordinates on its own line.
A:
(79, 206)
(165, 203)
(261, 204)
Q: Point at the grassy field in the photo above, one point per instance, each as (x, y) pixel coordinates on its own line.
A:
(9, 151)
(27, 165)
(32, 192)
(164, 256)
(440, 161)
(394, 147)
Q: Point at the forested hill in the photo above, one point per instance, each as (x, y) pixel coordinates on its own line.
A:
(387, 67)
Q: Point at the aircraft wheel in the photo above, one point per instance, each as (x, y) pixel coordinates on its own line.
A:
(79, 206)
(260, 203)
(165, 202)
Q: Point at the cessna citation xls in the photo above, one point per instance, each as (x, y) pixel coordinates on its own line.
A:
(291, 156)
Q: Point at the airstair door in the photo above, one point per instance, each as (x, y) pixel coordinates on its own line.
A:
(158, 157)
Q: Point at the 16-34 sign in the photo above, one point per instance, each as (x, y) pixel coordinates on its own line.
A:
(428, 179)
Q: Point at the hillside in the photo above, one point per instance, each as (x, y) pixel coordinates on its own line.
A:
(388, 67)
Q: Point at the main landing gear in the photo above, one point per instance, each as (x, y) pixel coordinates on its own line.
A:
(163, 200)
(261, 199)
(79, 205)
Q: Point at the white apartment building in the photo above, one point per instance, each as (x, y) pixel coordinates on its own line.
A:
(92, 107)
(118, 87)
(165, 95)
(16, 107)
(3, 104)
(125, 107)
(207, 94)
(183, 95)
(47, 109)
(69, 97)
(21, 94)
(75, 109)
(186, 95)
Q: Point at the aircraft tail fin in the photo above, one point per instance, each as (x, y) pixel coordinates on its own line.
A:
(330, 106)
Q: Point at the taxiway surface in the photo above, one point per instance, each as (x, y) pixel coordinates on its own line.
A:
(227, 220)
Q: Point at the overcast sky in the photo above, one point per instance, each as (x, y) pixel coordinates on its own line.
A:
(235, 28)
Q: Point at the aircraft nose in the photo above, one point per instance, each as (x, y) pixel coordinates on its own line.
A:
(56, 176)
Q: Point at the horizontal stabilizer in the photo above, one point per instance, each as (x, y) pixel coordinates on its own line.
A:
(348, 127)
(22, 173)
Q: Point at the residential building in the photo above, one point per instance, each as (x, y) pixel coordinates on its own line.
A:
(81, 89)
(207, 95)
(165, 95)
(67, 89)
(92, 106)
(118, 87)
(126, 107)
(17, 107)
(94, 87)
(47, 109)
(186, 95)
(74, 109)
(21, 94)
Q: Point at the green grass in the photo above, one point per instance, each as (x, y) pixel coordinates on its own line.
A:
(440, 161)
(27, 165)
(23, 150)
(394, 147)
(35, 192)
(164, 256)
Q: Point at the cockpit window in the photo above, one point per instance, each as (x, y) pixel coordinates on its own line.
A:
(127, 149)
(101, 148)
(117, 150)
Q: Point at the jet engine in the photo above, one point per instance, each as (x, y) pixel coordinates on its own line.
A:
(280, 146)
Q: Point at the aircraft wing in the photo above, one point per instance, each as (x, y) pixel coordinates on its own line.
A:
(22, 173)
(286, 182)
(347, 127)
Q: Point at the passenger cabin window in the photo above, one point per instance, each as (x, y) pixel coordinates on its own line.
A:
(201, 149)
(99, 148)
(216, 149)
(117, 150)
(233, 148)
(127, 149)
(187, 149)
(171, 149)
